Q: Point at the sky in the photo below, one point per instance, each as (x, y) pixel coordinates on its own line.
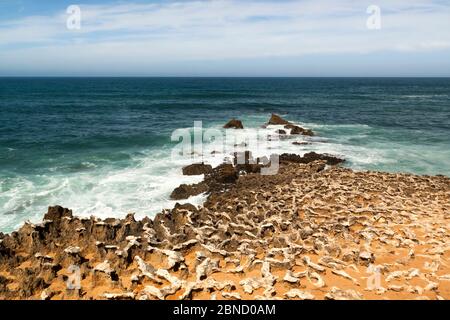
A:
(304, 38)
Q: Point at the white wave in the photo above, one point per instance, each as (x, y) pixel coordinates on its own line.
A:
(425, 96)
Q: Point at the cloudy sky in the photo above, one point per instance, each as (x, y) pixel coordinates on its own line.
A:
(225, 38)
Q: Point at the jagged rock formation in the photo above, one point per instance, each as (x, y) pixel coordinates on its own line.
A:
(306, 233)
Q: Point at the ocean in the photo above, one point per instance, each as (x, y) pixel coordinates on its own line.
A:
(102, 146)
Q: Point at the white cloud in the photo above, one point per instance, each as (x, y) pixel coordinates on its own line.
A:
(147, 34)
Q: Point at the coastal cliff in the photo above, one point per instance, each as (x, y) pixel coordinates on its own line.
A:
(311, 231)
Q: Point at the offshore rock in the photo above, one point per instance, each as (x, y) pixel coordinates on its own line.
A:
(310, 157)
(277, 120)
(234, 124)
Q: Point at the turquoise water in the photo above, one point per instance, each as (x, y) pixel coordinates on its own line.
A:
(102, 146)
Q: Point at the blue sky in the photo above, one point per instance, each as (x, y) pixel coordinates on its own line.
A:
(225, 38)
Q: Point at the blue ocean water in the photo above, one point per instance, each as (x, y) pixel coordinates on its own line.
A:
(102, 146)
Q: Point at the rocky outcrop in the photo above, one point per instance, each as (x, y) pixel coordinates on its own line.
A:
(299, 130)
(215, 180)
(234, 124)
(222, 174)
(277, 120)
(303, 233)
(197, 169)
(186, 191)
(293, 129)
(310, 157)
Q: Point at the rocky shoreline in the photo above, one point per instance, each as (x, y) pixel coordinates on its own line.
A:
(315, 230)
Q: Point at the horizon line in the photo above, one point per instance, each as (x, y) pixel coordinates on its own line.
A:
(222, 77)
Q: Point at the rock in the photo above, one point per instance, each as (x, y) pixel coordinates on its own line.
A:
(432, 286)
(211, 284)
(104, 267)
(72, 250)
(302, 295)
(319, 283)
(251, 284)
(281, 132)
(277, 120)
(45, 295)
(234, 124)
(174, 259)
(395, 288)
(348, 255)
(119, 296)
(344, 275)
(310, 157)
(185, 245)
(392, 275)
(188, 289)
(185, 191)
(307, 261)
(56, 213)
(366, 258)
(338, 294)
(445, 277)
(197, 169)
(296, 130)
(289, 277)
(175, 283)
(301, 143)
(203, 269)
(231, 295)
(223, 174)
(146, 270)
(155, 292)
